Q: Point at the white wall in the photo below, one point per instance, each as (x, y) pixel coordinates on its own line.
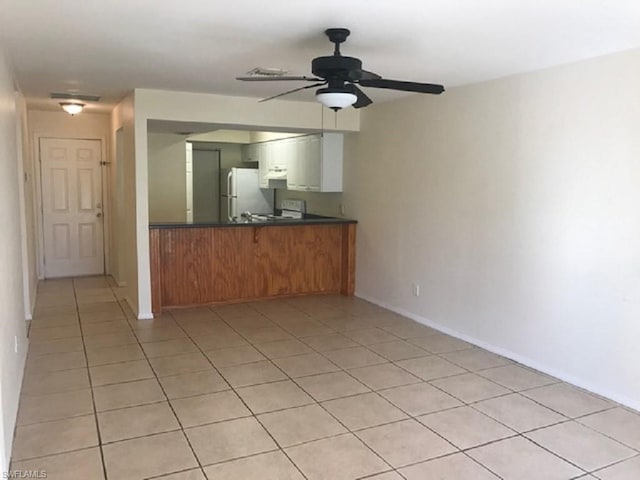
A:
(123, 200)
(515, 204)
(28, 208)
(167, 177)
(225, 136)
(48, 123)
(230, 153)
(12, 322)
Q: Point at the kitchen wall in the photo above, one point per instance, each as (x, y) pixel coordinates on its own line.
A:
(514, 204)
(167, 177)
(267, 136)
(230, 153)
(13, 346)
(225, 136)
(167, 172)
(327, 204)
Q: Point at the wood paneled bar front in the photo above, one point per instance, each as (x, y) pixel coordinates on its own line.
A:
(212, 264)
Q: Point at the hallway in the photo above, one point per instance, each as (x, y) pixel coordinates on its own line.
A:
(318, 388)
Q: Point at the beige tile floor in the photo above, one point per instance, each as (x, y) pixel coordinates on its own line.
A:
(317, 388)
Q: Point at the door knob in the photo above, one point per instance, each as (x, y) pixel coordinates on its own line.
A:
(99, 214)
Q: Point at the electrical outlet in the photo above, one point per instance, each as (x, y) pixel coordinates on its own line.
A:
(416, 289)
(342, 209)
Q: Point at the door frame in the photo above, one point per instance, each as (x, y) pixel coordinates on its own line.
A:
(39, 206)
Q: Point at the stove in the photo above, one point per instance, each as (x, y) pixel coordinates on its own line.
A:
(291, 209)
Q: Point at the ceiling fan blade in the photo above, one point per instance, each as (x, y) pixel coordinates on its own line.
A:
(403, 86)
(292, 91)
(369, 75)
(275, 78)
(359, 74)
(363, 100)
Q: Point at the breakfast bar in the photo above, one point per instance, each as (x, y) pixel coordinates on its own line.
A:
(225, 262)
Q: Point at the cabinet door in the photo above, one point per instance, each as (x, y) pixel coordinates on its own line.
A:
(264, 163)
(313, 164)
(280, 153)
(295, 167)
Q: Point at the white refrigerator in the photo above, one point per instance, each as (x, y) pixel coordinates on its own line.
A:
(240, 192)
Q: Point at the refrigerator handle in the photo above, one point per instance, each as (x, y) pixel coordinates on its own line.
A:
(230, 208)
(229, 192)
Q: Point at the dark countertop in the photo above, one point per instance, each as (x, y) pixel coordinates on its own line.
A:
(309, 219)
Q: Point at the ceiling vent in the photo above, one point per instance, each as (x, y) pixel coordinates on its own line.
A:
(73, 96)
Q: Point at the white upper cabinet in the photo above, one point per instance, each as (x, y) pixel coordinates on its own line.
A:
(264, 159)
(295, 177)
(317, 166)
(313, 163)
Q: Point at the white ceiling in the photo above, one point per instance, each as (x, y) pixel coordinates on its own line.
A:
(109, 47)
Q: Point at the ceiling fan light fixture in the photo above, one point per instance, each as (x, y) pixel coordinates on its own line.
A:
(72, 108)
(335, 99)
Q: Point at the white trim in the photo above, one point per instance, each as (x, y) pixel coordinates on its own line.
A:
(33, 301)
(37, 184)
(22, 179)
(105, 167)
(141, 228)
(508, 354)
(145, 316)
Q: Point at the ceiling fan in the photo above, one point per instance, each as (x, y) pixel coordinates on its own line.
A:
(341, 78)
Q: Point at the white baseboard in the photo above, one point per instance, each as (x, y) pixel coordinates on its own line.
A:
(564, 376)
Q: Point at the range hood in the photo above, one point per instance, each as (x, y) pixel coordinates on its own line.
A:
(277, 177)
(277, 174)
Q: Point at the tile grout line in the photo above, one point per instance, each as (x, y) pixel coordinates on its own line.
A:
(181, 429)
(320, 405)
(93, 400)
(245, 405)
(301, 340)
(348, 430)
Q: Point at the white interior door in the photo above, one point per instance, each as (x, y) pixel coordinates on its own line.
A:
(72, 207)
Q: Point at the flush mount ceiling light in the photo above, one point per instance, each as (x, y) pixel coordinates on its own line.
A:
(73, 104)
(72, 108)
(335, 98)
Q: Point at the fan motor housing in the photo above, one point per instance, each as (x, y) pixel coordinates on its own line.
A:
(334, 66)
